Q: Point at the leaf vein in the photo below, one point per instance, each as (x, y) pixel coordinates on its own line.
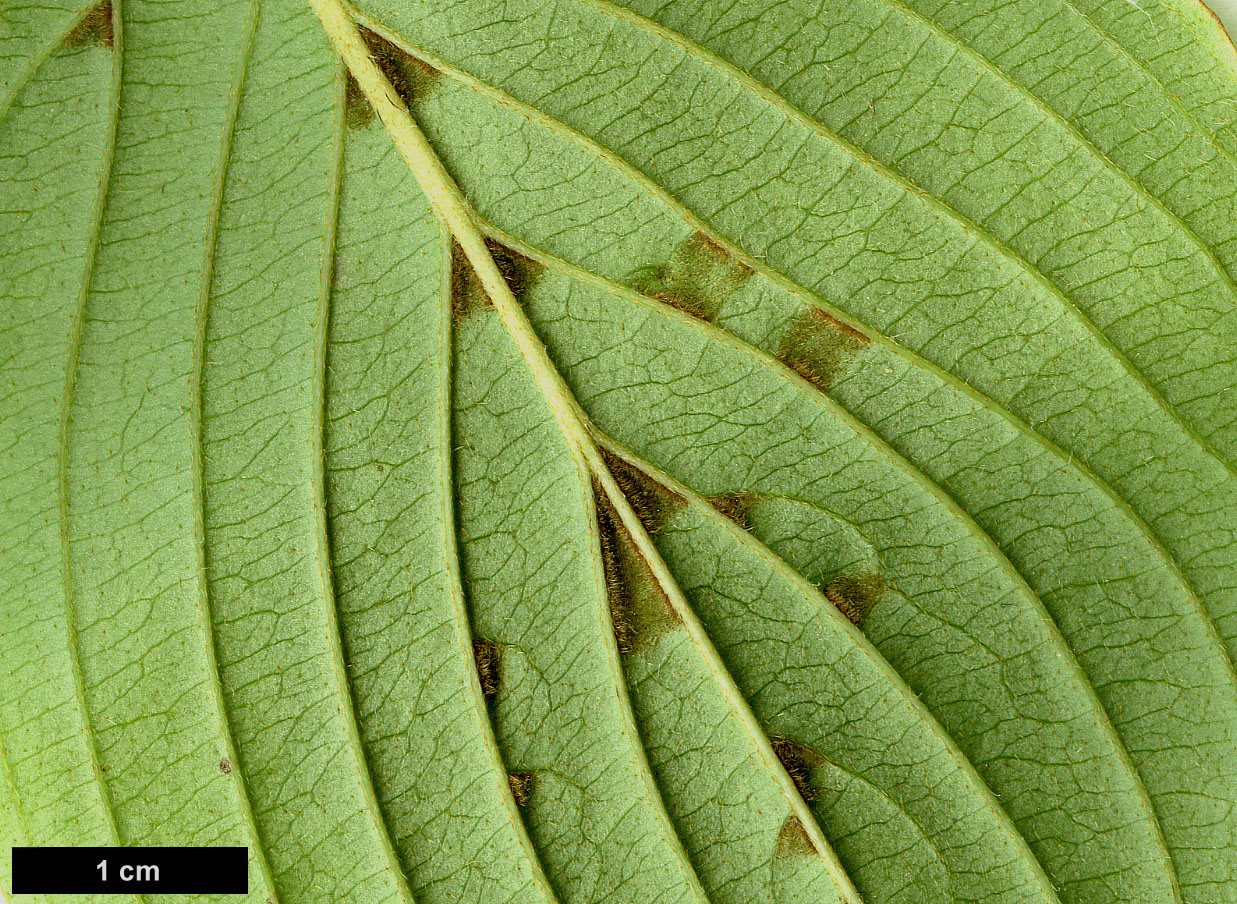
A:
(62, 452)
(201, 316)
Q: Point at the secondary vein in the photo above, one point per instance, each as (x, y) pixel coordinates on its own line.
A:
(62, 454)
(447, 199)
(811, 298)
(339, 673)
(206, 621)
(462, 629)
(944, 208)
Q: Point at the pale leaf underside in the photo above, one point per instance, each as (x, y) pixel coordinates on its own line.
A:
(788, 451)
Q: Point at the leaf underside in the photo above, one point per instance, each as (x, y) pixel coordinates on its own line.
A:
(897, 562)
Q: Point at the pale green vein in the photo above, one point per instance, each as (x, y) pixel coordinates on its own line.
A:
(779, 103)
(6, 107)
(982, 536)
(715, 333)
(739, 706)
(62, 453)
(202, 313)
(1108, 38)
(631, 731)
(758, 265)
(1112, 40)
(464, 640)
(857, 638)
(23, 825)
(1052, 115)
(339, 669)
(447, 199)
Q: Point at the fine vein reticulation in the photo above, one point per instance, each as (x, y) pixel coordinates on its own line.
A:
(624, 450)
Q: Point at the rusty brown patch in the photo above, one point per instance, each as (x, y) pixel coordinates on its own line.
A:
(697, 279)
(518, 271)
(735, 506)
(225, 766)
(488, 657)
(798, 759)
(855, 595)
(640, 612)
(703, 243)
(96, 28)
(818, 345)
(467, 294)
(410, 77)
(793, 838)
(651, 501)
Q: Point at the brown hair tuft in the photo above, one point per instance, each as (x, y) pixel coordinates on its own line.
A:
(410, 77)
(95, 29)
(855, 595)
(817, 345)
(523, 784)
(798, 760)
(793, 838)
(488, 656)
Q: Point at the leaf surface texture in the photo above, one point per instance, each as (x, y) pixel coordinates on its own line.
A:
(893, 557)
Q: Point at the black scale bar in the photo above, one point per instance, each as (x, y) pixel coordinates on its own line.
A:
(125, 870)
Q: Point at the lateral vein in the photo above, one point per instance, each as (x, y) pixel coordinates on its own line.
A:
(345, 700)
(206, 621)
(446, 198)
(62, 453)
(459, 609)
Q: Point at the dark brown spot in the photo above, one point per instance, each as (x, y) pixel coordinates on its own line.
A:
(855, 595)
(95, 29)
(522, 786)
(817, 345)
(410, 77)
(651, 501)
(489, 667)
(735, 506)
(519, 271)
(697, 279)
(467, 294)
(225, 766)
(794, 839)
(703, 243)
(798, 760)
(640, 611)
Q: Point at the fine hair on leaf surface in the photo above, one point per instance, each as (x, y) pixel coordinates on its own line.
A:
(624, 451)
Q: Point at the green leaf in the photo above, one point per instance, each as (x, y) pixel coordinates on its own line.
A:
(661, 450)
